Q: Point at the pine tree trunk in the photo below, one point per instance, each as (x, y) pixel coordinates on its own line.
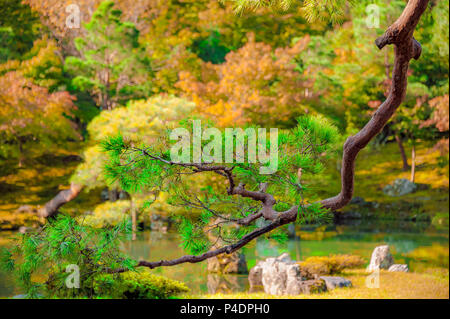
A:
(21, 157)
(402, 152)
(413, 163)
(133, 220)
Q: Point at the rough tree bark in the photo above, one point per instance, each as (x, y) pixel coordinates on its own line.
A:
(399, 34)
(399, 141)
(63, 197)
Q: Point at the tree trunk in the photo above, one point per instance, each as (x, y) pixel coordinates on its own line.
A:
(63, 197)
(399, 34)
(402, 152)
(413, 163)
(21, 157)
(133, 219)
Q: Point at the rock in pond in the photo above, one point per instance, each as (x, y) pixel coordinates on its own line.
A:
(234, 263)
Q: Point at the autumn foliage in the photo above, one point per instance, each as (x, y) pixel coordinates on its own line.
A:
(253, 83)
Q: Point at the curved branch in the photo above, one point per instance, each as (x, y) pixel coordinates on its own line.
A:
(284, 218)
(63, 197)
(405, 48)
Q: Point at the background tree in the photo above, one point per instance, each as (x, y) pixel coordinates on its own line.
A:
(147, 167)
(19, 27)
(252, 84)
(110, 66)
(142, 120)
(399, 34)
(30, 113)
(440, 119)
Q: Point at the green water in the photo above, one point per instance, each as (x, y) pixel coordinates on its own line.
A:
(404, 239)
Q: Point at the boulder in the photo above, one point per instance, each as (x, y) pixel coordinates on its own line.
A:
(307, 287)
(399, 267)
(256, 273)
(400, 187)
(234, 263)
(381, 259)
(255, 276)
(335, 282)
(104, 195)
(357, 200)
(282, 276)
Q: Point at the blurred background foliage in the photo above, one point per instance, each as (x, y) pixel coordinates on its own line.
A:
(139, 67)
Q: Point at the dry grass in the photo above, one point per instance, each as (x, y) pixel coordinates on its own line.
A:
(433, 284)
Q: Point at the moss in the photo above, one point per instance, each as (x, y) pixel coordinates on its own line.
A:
(107, 214)
(377, 167)
(13, 221)
(137, 285)
(328, 265)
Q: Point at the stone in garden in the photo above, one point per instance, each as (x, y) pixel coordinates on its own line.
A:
(400, 187)
(335, 282)
(104, 195)
(234, 263)
(313, 286)
(282, 276)
(273, 274)
(399, 267)
(357, 200)
(381, 258)
(255, 274)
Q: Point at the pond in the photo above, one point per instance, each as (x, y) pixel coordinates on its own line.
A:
(419, 245)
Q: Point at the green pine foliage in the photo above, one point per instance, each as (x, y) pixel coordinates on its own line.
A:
(112, 66)
(313, 10)
(148, 169)
(39, 259)
(19, 27)
(142, 121)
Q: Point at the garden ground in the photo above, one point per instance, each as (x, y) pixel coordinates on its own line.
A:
(431, 284)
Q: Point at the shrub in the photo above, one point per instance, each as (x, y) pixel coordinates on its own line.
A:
(39, 260)
(137, 285)
(327, 265)
(107, 214)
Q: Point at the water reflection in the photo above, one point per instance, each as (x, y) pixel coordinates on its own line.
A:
(420, 246)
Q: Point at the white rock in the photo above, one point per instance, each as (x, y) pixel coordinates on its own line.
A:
(381, 259)
(399, 267)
